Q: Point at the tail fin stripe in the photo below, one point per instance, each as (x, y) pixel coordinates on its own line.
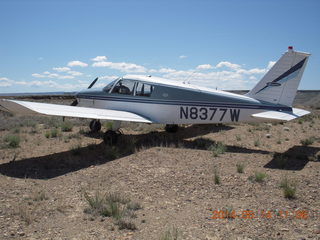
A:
(287, 73)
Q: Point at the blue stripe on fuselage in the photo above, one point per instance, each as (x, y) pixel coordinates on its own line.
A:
(185, 103)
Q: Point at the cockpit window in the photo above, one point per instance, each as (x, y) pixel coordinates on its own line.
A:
(109, 86)
(144, 89)
(124, 87)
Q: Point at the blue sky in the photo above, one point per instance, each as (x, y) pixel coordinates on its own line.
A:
(63, 45)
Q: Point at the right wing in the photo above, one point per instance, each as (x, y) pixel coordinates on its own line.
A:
(27, 108)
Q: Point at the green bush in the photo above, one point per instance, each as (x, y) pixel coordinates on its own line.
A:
(217, 149)
(240, 168)
(13, 141)
(66, 127)
(289, 188)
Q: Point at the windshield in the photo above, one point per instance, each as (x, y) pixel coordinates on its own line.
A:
(109, 86)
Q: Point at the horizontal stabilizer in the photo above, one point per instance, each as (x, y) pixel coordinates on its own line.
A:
(24, 107)
(281, 116)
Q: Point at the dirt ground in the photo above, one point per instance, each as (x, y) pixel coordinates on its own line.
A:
(186, 185)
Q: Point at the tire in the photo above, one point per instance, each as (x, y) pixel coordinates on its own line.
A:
(110, 137)
(171, 128)
(95, 126)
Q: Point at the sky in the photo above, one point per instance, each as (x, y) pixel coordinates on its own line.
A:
(63, 45)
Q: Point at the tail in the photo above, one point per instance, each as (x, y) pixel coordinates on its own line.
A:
(280, 84)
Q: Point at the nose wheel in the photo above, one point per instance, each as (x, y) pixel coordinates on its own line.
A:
(95, 126)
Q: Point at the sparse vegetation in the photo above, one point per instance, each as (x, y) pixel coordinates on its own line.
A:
(289, 188)
(12, 141)
(53, 133)
(171, 233)
(114, 205)
(217, 149)
(257, 143)
(66, 126)
(240, 168)
(40, 196)
(216, 176)
(257, 177)
(307, 141)
(24, 214)
(238, 137)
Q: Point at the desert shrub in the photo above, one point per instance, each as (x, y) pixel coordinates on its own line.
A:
(257, 143)
(216, 176)
(12, 141)
(126, 224)
(257, 177)
(307, 141)
(240, 168)
(171, 233)
(66, 126)
(238, 137)
(114, 205)
(54, 132)
(217, 149)
(289, 188)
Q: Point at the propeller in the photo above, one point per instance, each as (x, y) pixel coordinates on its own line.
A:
(75, 102)
(94, 81)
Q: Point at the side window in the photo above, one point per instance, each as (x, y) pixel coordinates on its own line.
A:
(124, 87)
(144, 89)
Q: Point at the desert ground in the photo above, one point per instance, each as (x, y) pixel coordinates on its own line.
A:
(235, 181)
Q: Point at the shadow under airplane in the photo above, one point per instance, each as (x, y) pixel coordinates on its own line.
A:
(58, 164)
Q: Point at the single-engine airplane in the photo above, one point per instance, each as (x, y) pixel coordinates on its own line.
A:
(149, 99)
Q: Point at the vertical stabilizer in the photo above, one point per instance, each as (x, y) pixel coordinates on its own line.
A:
(280, 84)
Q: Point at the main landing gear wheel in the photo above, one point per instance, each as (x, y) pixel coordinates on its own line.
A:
(110, 137)
(95, 126)
(171, 128)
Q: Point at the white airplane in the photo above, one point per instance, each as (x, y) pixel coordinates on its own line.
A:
(149, 99)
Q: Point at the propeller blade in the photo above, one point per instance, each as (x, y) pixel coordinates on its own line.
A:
(94, 81)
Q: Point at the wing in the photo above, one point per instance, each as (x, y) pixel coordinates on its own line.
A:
(282, 116)
(24, 107)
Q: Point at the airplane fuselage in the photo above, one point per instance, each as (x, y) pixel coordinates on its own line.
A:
(184, 104)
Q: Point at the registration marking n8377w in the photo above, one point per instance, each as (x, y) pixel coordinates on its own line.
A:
(209, 113)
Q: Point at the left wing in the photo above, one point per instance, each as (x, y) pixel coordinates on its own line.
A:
(281, 116)
(24, 107)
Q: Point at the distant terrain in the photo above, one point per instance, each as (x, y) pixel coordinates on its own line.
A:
(210, 182)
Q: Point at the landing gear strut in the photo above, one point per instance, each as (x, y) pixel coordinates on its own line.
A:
(171, 128)
(95, 126)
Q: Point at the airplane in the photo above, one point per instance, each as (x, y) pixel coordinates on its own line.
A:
(148, 99)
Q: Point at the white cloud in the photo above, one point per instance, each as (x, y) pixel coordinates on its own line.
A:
(182, 56)
(77, 64)
(99, 59)
(75, 73)
(53, 75)
(166, 70)
(61, 69)
(5, 82)
(228, 65)
(37, 75)
(109, 78)
(122, 66)
(204, 67)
